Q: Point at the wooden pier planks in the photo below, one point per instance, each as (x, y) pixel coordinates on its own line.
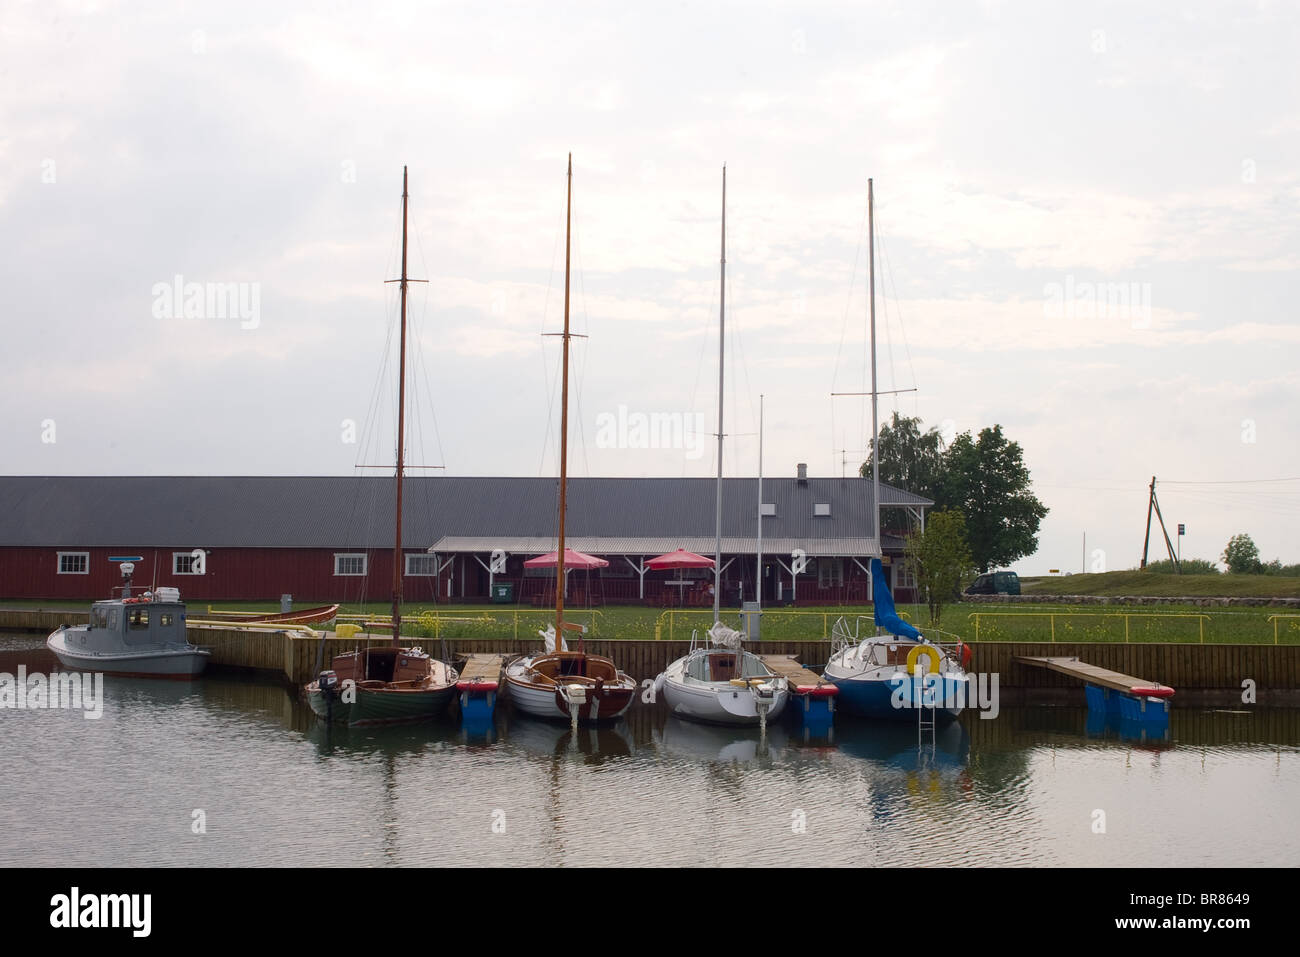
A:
(789, 668)
(483, 667)
(1092, 674)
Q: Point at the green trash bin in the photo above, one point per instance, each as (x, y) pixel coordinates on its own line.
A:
(503, 593)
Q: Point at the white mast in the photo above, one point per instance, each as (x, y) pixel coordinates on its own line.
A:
(758, 575)
(722, 316)
(875, 430)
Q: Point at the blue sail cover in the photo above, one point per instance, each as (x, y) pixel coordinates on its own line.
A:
(886, 616)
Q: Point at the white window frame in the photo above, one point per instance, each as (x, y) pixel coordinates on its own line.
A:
(904, 577)
(830, 568)
(84, 556)
(176, 570)
(432, 563)
(365, 564)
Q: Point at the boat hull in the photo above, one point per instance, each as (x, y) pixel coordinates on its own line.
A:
(716, 702)
(891, 695)
(609, 702)
(380, 706)
(183, 664)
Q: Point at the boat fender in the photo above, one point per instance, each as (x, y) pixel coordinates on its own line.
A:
(930, 652)
(659, 685)
(964, 654)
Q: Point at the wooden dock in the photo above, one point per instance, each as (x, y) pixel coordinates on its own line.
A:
(1091, 674)
(801, 680)
(482, 668)
(811, 697)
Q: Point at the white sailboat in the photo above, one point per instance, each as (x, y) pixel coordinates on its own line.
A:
(717, 680)
(894, 672)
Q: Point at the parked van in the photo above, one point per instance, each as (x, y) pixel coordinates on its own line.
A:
(996, 583)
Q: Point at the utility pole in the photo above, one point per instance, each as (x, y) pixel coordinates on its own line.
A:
(1153, 505)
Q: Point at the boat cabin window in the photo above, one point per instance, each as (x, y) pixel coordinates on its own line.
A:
(139, 618)
(99, 617)
(114, 619)
(166, 619)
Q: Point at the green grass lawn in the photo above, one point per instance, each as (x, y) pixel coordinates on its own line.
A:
(1163, 585)
(1165, 623)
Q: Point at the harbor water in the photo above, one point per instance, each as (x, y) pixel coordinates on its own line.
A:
(237, 772)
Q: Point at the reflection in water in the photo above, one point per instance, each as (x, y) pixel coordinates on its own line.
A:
(279, 787)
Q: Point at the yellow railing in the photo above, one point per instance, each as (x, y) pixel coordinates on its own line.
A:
(1274, 620)
(1053, 615)
(435, 620)
(669, 617)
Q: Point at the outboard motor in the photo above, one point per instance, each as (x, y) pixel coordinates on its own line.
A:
(328, 682)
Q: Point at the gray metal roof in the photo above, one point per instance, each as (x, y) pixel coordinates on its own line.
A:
(650, 546)
(350, 512)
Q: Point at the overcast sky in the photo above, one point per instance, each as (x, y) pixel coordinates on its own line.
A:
(1022, 154)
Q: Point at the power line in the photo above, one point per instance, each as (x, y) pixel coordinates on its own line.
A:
(1233, 481)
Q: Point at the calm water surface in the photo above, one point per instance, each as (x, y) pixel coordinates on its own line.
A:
(277, 788)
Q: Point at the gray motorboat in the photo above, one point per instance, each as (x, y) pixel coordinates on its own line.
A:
(143, 637)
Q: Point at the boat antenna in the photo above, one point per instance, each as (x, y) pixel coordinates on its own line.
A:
(564, 416)
(722, 317)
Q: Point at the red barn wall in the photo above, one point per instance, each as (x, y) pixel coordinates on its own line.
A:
(262, 574)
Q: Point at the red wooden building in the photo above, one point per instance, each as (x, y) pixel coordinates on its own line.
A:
(330, 539)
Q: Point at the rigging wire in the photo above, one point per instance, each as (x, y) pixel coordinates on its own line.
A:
(844, 325)
(551, 386)
(580, 356)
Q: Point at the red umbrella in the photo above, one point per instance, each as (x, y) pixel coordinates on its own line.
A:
(572, 559)
(679, 559)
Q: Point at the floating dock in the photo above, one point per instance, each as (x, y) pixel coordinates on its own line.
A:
(478, 689)
(1110, 692)
(813, 696)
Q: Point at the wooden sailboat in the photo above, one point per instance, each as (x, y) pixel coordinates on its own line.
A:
(561, 684)
(383, 685)
(717, 680)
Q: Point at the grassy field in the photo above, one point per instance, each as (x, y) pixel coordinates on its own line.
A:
(1161, 585)
(968, 620)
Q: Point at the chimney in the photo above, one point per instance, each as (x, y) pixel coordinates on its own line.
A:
(803, 473)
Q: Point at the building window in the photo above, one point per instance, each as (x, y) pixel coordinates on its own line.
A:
(767, 508)
(830, 572)
(421, 565)
(184, 563)
(74, 563)
(349, 563)
(903, 577)
(821, 509)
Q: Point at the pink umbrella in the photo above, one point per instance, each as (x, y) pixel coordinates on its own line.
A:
(679, 559)
(572, 559)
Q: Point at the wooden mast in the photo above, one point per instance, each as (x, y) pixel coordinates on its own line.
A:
(564, 420)
(401, 437)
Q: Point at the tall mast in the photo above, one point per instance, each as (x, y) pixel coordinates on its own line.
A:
(875, 430)
(401, 438)
(758, 575)
(564, 419)
(722, 320)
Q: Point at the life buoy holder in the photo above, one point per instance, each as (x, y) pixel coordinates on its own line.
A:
(931, 652)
